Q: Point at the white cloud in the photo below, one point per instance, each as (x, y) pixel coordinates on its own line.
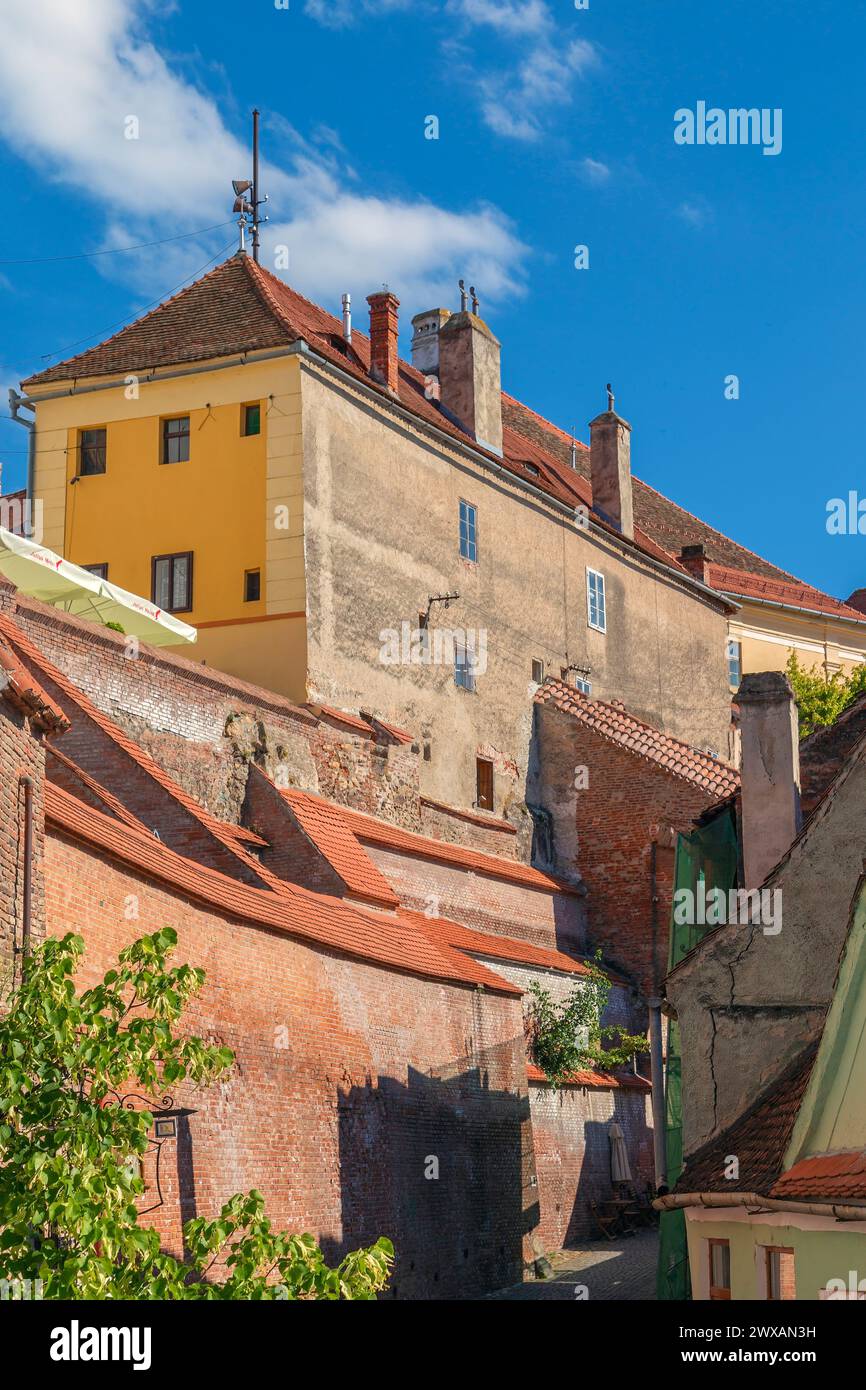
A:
(518, 100)
(695, 212)
(511, 17)
(594, 171)
(339, 14)
(89, 67)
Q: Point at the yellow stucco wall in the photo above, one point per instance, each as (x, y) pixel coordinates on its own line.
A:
(767, 636)
(236, 503)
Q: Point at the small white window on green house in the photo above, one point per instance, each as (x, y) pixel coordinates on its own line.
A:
(596, 614)
(735, 662)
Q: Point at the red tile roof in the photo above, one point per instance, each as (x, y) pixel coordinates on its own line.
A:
(759, 1138)
(239, 307)
(373, 831)
(22, 690)
(326, 826)
(297, 912)
(668, 525)
(594, 1080)
(826, 1178)
(482, 943)
(791, 593)
(612, 722)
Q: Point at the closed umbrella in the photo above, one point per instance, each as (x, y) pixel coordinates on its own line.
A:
(619, 1169)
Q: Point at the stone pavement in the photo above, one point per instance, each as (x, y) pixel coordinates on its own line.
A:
(611, 1270)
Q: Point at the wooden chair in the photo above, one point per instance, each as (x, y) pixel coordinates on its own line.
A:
(607, 1222)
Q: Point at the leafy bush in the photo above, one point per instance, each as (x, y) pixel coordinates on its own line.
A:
(69, 1150)
(568, 1036)
(821, 698)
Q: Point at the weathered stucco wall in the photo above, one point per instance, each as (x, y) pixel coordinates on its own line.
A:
(748, 1001)
(381, 535)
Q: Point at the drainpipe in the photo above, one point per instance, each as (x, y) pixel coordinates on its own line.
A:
(657, 1075)
(15, 404)
(27, 909)
(654, 1004)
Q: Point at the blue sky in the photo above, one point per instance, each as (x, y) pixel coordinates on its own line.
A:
(555, 130)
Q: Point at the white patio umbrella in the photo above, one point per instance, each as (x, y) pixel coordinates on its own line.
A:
(619, 1169)
(46, 576)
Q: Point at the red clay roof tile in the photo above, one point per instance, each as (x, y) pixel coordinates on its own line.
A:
(22, 690)
(373, 831)
(825, 1178)
(791, 593)
(611, 721)
(309, 916)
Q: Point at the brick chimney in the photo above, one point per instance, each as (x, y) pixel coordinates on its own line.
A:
(425, 340)
(610, 468)
(770, 772)
(469, 377)
(694, 559)
(384, 328)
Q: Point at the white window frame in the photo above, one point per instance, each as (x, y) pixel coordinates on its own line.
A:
(597, 626)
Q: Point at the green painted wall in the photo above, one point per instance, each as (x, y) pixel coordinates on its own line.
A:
(820, 1254)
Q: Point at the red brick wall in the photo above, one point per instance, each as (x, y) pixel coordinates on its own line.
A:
(348, 1080)
(605, 832)
(21, 755)
(570, 1130)
(488, 904)
(205, 727)
(291, 854)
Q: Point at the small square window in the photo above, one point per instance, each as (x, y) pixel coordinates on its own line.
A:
(468, 531)
(735, 662)
(101, 571)
(251, 419)
(484, 784)
(538, 671)
(596, 614)
(175, 440)
(92, 450)
(252, 586)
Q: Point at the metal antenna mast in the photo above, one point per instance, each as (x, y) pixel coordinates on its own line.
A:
(255, 190)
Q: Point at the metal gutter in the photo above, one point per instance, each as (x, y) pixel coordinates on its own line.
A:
(676, 1201)
(796, 608)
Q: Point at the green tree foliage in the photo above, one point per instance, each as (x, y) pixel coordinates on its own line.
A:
(821, 698)
(69, 1149)
(568, 1036)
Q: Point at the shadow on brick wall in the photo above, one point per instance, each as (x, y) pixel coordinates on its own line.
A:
(442, 1165)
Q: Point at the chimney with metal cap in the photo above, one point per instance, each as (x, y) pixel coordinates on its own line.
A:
(610, 467)
(347, 317)
(469, 373)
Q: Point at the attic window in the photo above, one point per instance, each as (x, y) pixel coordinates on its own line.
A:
(531, 468)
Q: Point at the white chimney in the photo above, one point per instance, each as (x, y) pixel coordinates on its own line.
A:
(425, 340)
(347, 317)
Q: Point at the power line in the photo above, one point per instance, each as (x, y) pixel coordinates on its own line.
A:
(115, 250)
(100, 333)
